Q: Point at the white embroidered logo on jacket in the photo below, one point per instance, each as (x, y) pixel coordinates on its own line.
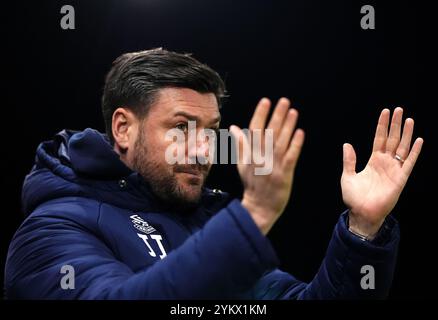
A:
(143, 226)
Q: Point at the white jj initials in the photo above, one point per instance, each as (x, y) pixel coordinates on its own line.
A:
(157, 239)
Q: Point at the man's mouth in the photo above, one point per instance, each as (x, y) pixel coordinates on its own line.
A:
(195, 173)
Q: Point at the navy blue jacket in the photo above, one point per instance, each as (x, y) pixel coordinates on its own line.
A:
(87, 210)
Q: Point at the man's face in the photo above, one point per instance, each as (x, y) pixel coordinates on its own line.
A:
(179, 184)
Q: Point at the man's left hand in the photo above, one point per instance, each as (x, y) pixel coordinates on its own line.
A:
(372, 193)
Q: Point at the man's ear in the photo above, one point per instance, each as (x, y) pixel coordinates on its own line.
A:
(124, 128)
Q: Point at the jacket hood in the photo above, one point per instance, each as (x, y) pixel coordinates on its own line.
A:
(83, 163)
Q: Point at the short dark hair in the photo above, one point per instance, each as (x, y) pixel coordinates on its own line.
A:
(136, 77)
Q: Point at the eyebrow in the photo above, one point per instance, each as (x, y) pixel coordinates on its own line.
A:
(195, 117)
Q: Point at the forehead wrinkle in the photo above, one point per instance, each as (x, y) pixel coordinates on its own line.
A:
(180, 110)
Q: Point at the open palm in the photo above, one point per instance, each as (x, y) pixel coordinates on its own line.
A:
(372, 193)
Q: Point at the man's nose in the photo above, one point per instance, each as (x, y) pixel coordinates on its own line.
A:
(199, 149)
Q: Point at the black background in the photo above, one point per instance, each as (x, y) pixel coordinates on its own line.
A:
(314, 52)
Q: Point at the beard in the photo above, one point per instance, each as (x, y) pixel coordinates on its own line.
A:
(179, 186)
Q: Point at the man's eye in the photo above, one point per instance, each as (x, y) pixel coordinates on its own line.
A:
(182, 126)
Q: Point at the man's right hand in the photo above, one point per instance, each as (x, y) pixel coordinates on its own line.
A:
(266, 196)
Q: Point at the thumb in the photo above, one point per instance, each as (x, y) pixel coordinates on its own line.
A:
(349, 159)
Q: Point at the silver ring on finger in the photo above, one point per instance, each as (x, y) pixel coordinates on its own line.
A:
(399, 158)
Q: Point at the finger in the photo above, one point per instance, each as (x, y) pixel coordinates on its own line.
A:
(242, 146)
(410, 161)
(405, 143)
(394, 131)
(349, 159)
(279, 115)
(285, 135)
(381, 131)
(258, 120)
(293, 152)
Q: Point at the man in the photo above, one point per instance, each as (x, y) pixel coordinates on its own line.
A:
(110, 218)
